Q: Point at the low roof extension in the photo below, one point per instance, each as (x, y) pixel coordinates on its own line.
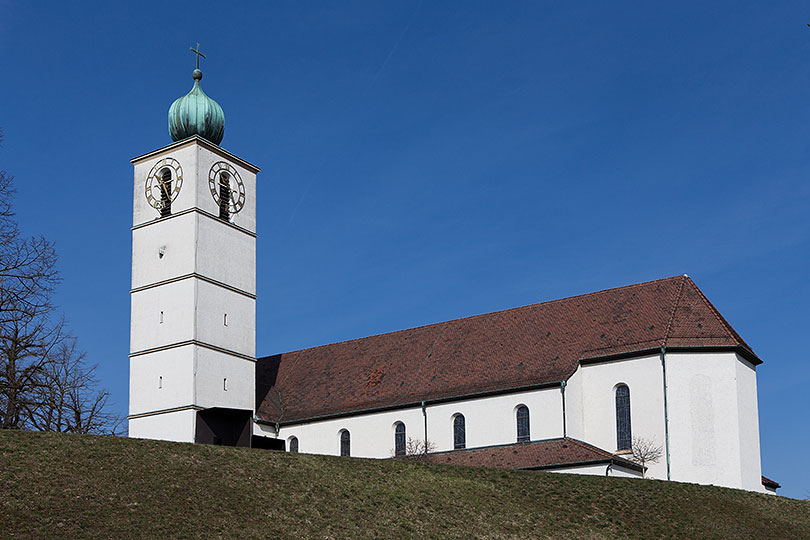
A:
(549, 454)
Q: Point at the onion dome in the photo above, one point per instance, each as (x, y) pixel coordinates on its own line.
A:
(196, 114)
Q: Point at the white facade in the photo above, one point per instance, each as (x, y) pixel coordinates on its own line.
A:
(193, 329)
(489, 421)
(713, 426)
(712, 431)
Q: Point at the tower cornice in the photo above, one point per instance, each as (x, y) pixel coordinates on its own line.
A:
(202, 142)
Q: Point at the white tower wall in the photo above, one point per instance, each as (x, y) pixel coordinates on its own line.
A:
(193, 330)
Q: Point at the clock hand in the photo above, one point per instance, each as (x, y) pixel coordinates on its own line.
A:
(163, 187)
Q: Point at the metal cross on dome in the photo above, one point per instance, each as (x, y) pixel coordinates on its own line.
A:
(198, 53)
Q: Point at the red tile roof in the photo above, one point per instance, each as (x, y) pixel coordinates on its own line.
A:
(549, 454)
(521, 347)
(768, 483)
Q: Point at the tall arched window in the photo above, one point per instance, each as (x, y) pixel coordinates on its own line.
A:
(523, 424)
(165, 192)
(459, 432)
(294, 445)
(345, 443)
(624, 435)
(399, 439)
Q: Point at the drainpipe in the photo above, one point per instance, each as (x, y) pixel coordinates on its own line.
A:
(424, 413)
(609, 467)
(562, 389)
(666, 411)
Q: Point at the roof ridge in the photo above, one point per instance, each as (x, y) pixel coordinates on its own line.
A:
(470, 317)
(674, 309)
(722, 320)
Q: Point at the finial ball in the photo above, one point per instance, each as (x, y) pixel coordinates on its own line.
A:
(196, 74)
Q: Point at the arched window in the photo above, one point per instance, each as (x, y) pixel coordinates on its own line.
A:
(224, 196)
(523, 424)
(399, 439)
(459, 432)
(345, 443)
(294, 445)
(624, 436)
(165, 192)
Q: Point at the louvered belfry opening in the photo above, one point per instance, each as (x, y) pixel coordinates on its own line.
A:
(165, 192)
(224, 196)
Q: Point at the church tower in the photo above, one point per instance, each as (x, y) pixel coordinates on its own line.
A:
(193, 318)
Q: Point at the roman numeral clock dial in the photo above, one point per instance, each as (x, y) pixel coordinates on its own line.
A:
(227, 188)
(163, 184)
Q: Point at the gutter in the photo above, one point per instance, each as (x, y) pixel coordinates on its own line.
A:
(562, 390)
(745, 352)
(424, 413)
(666, 410)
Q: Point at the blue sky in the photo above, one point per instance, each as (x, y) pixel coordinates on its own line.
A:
(423, 161)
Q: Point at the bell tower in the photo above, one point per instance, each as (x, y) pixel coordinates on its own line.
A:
(193, 297)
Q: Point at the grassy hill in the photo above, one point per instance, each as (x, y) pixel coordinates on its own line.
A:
(68, 486)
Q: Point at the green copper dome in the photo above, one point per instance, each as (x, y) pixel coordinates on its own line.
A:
(196, 114)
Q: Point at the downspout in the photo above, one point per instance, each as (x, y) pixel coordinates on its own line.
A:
(666, 411)
(609, 467)
(424, 414)
(562, 389)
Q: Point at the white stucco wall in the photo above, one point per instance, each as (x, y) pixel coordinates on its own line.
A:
(489, 420)
(712, 410)
(223, 380)
(591, 403)
(714, 432)
(178, 426)
(161, 380)
(164, 250)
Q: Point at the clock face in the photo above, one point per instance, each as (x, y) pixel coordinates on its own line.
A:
(224, 182)
(163, 183)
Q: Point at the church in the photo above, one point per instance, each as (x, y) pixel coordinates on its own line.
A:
(569, 385)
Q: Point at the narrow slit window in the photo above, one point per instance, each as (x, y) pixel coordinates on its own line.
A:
(224, 196)
(624, 435)
(225, 383)
(160, 382)
(165, 192)
(459, 432)
(161, 317)
(225, 320)
(399, 439)
(523, 424)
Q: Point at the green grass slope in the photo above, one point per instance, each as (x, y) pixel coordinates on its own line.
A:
(68, 486)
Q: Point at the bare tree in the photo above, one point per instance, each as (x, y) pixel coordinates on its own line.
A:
(26, 346)
(44, 383)
(416, 449)
(645, 451)
(70, 399)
